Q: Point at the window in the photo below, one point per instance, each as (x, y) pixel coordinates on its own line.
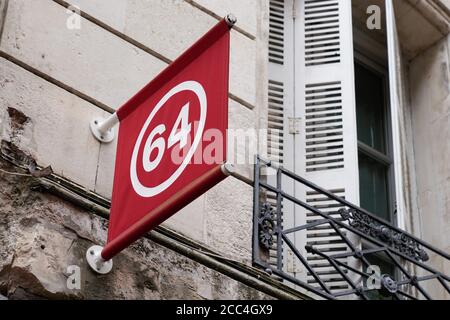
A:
(374, 152)
(374, 147)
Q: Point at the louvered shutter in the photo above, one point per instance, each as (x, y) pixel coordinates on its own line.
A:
(327, 152)
(281, 103)
(281, 76)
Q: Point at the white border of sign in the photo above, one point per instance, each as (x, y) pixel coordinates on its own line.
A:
(148, 192)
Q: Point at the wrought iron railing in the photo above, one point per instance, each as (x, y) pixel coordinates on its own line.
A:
(338, 250)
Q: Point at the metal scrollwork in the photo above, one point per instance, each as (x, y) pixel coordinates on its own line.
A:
(266, 225)
(397, 240)
(388, 285)
(330, 243)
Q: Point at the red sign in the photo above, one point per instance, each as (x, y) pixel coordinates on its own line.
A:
(172, 140)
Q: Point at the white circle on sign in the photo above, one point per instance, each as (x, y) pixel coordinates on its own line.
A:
(148, 192)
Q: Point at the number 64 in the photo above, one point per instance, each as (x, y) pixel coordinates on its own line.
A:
(179, 133)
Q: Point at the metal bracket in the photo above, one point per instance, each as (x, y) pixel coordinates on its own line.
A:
(102, 129)
(228, 169)
(96, 262)
(105, 137)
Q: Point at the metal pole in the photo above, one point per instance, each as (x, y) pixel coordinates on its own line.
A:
(228, 169)
(102, 129)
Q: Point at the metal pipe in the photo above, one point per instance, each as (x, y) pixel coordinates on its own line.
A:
(229, 169)
(108, 123)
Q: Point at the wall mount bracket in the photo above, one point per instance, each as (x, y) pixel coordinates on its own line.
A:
(102, 129)
(96, 262)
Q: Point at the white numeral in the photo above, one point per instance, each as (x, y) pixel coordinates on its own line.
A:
(183, 124)
(180, 133)
(150, 145)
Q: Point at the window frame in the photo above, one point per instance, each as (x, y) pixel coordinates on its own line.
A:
(373, 63)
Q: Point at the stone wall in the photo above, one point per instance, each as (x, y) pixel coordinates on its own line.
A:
(430, 103)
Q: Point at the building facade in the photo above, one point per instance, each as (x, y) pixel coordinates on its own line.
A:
(352, 96)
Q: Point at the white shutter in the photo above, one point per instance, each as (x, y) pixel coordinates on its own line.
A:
(326, 149)
(281, 103)
(281, 75)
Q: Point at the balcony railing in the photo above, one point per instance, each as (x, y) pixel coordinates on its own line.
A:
(330, 247)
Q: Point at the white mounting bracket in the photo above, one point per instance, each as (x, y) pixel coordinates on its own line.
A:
(96, 262)
(102, 129)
